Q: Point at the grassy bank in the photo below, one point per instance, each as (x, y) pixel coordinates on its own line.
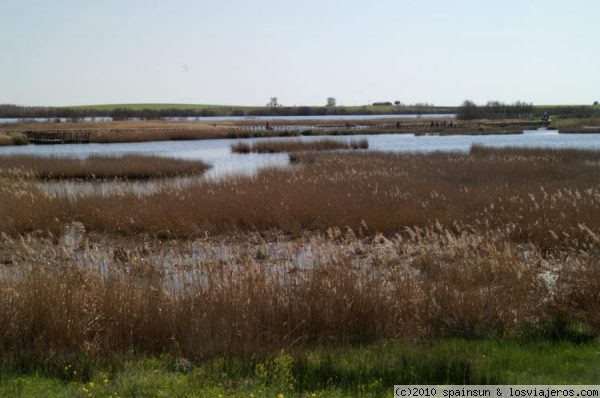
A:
(576, 125)
(99, 167)
(297, 146)
(368, 371)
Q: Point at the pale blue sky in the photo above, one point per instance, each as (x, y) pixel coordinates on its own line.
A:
(68, 52)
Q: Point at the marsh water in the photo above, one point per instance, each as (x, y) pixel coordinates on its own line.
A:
(9, 120)
(218, 154)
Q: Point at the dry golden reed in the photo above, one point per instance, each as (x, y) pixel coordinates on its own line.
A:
(338, 249)
(5, 140)
(102, 167)
(83, 293)
(547, 200)
(274, 146)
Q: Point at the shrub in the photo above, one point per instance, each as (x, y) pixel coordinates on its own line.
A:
(20, 139)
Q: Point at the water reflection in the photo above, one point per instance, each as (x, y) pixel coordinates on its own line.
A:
(10, 120)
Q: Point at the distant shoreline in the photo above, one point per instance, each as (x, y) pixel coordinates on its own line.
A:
(157, 111)
(142, 131)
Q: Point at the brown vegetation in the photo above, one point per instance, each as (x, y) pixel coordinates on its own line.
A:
(83, 294)
(567, 125)
(12, 138)
(166, 134)
(5, 140)
(560, 155)
(491, 243)
(139, 131)
(130, 131)
(539, 197)
(99, 167)
(297, 146)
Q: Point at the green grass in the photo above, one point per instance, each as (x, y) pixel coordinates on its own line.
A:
(563, 106)
(368, 371)
(559, 122)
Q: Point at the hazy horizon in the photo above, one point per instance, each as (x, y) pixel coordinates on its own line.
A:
(70, 52)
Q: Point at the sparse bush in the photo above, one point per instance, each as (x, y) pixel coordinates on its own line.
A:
(19, 139)
(241, 147)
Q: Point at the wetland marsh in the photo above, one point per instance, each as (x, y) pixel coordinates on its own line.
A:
(414, 239)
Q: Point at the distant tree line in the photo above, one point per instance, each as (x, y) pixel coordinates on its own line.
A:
(156, 114)
(468, 110)
(575, 111)
(494, 110)
(385, 103)
(499, 110)
(332, 109)
(26, 112)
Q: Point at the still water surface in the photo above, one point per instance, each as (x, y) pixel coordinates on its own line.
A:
(8, 120)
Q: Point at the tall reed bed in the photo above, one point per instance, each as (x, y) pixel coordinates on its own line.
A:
(339, 249)
(5, 140)
(547, 201)
(80, 294)
(274, 146)
(561, 155)
(158, 134)
(129, 131)
(103, 167)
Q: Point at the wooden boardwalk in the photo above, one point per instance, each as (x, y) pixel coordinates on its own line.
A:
(58, 137)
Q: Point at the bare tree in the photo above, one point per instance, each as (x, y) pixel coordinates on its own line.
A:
(467, 110)
(331, 102)
(273, 103)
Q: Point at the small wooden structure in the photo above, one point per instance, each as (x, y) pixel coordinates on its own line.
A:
(58, 137)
